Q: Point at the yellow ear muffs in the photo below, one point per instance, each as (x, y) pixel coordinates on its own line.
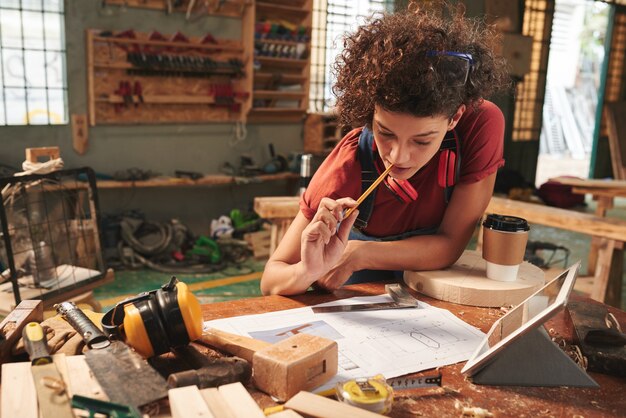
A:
(190, 310)
(155, 322)
(135, 332)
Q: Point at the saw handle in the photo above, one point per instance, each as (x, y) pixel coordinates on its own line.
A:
(93, 337)
(36, 344)
(240, 346)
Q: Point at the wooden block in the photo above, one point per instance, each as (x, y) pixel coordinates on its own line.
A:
(80, 131)
(80, 380)
(287, 413)
(277, 206)
(33, 154)
(260, 242)
(11, 327)
(584, 317)
(240, 402)
(187, 402)
(300, 362)
(216, 402)
(465, 283)
(314, 405)
(18, 397)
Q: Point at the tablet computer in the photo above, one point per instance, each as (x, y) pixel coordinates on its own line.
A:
(528, 315)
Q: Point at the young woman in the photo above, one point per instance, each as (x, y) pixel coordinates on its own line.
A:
(415, 83)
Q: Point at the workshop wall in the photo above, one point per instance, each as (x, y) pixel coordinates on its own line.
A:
(160, 148)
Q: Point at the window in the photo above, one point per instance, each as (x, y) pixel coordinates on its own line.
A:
(32, 63)
(331, 20)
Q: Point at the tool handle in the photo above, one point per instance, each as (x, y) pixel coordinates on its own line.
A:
(93, 337)
(36, 344)
(240, 346)
(221, 372)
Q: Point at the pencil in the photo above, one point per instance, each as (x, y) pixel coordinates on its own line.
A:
(369, 190)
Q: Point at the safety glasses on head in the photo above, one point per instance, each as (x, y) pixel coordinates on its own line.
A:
(453, 68)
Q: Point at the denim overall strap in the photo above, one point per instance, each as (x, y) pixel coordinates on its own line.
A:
(368, 176)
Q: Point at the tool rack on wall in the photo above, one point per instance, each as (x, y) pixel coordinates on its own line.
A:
(282, 50)
(144, 78)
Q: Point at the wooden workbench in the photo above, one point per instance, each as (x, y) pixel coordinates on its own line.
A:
(608, 400)
(604, 193)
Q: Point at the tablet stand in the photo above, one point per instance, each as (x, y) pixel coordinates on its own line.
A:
(533, 359)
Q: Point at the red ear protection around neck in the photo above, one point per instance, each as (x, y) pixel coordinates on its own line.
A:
(447, 170)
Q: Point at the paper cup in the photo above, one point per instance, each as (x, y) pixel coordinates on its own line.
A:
(504, 245)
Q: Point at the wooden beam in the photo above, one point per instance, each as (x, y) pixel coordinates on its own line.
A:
(314, 405)
(240, 402)
(570, 220)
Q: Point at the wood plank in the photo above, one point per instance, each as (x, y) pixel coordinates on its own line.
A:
(616, 125)
(208, 180)
(277, 206)
(314, 405)
(18, 397)
(240, 401)
(187, 402)
(287, 413)
(570, 220)
(80, 379)
(216, 402)
(11, 327)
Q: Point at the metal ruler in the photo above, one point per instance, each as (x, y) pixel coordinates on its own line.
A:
(402, 299)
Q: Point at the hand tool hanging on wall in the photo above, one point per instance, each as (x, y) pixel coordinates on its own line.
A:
(124, 375)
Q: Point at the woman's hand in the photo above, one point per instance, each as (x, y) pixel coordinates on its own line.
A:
(322, 243)
(344, 268)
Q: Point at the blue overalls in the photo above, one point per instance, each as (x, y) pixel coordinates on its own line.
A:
(368, 176)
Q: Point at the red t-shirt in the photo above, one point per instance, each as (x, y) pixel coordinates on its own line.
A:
(481, 134)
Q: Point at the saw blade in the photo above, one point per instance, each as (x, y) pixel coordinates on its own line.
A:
(400, 383)
(125, 376)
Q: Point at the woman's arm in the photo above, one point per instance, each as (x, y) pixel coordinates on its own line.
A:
(424, 252)
(309, 249)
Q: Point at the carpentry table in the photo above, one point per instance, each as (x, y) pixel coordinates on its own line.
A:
(604, 193)
(457, 392)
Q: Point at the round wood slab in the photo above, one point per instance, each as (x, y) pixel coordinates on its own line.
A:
(465, 283)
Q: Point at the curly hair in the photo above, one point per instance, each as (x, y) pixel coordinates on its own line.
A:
(390, 62)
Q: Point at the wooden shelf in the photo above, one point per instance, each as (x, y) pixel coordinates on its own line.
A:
(284, 78)
(282, 62)
(231, 8)
(278, 42)
(206, 181)
(160, 99)
(277, 94)
(265, 7)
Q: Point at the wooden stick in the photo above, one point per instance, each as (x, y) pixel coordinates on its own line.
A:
(369, 190)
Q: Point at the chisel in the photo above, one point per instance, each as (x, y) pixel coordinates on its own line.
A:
(51, 392)
(124, 375)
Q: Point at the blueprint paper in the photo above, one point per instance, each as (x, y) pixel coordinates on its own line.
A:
(393, 342)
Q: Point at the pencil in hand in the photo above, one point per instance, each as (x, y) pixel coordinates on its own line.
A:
(369, 190)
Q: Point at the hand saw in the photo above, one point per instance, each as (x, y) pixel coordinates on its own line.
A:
(402, 299)
(51, 394)
(124, 375)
